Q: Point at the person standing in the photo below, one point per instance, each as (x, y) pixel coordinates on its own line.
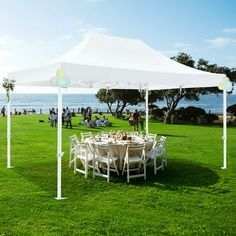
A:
(68, 116)
(3, 111)
(136, 118)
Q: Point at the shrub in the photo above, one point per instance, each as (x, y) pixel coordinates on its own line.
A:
(190, 113)
(211, 117)
(157, 113)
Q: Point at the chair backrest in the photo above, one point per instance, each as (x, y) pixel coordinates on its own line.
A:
(135, 150)
(101, 150)
(154, 143)
(162, 141)
(85, 135)
(73, 139)
(152, 152)
(151, 136)
(161, 145)
(133, 133)
(114, 149)
(81, 149)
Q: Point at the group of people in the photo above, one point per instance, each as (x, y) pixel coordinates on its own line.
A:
(134, 119)
(97, 122)
(89, 122)
(52, 117)
(66, 117)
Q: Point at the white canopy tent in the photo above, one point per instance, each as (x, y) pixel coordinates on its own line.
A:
(102, 61)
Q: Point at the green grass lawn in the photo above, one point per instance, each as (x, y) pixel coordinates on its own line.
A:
(193, 196)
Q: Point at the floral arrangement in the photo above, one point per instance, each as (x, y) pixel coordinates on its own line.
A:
(8, 85)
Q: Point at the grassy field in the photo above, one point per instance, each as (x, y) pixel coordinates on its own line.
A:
(193, 196)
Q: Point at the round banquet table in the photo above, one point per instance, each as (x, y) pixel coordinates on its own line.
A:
(118, 146)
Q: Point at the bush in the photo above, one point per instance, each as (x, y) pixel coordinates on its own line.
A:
(157, 113)
(190, 113)
(211, 117)
(232, 109)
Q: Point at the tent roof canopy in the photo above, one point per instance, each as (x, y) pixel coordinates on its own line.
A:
(102, 61)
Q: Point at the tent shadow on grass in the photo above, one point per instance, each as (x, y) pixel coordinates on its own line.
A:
(185, 173)
(171, 135)
(42, 175)
(178, 175)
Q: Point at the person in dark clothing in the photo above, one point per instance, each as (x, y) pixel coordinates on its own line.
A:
(3, 111)
(68, 116)
(136, 118)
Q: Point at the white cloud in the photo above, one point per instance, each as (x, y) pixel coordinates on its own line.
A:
(221, 42)
(5, 39)
(17, 53)
(185, 47)
(182, 45)
(65, 37)
(178, 47)
(229, 30)
(169, 53)
(4, 55)
(84, 28)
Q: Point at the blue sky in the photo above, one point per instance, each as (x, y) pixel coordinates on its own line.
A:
(36, 32)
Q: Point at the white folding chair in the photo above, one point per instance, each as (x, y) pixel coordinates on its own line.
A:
(134, 161)
(83, 158)
(73, 139)
(151, 154)
(133, 133)
(151, 136)
(160, 152)
(103, 156)
(85, 135)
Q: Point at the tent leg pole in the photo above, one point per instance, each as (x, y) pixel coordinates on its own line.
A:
(146, 105)
(9, 132)
(59, 143)
(224, 130)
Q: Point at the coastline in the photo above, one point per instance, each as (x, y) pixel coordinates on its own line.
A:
(41, 103)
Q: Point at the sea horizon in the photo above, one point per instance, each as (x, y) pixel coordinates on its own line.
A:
(41, 103)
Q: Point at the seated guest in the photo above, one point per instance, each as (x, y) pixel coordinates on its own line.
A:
(107, 122)
(89, 123)
(98, 122)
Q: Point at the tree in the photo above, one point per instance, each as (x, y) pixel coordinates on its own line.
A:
(232, 109)
(173, 96)
(121, 98)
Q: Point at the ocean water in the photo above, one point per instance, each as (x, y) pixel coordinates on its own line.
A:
(43, 102)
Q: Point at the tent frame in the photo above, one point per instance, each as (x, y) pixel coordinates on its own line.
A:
(59, 135)
(102, 61)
